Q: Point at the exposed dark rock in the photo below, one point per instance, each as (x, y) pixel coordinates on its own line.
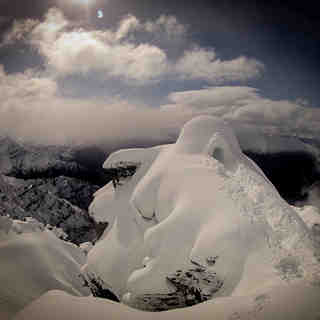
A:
(97, 287)
(52, 184)
(191, 286)
(32, 198)
(121, 171)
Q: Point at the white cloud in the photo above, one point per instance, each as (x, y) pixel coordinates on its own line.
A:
(136, 52)
(166, 24)
(245, 105)
(127, 25)
(214, 97)
(78, 51)
(32, 109)
(82, 52)
(203, 64)
(47, 32)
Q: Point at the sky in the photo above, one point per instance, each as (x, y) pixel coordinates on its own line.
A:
(132, 72)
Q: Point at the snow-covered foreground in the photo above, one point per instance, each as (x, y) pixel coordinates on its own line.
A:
(197, 221)
(33, 261)
(294, 303)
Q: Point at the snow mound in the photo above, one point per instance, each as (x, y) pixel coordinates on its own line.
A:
(34, 261)
(198, 201)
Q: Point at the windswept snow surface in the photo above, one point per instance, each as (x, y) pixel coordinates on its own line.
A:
(197, 221)
(33, 261)
(188, 202)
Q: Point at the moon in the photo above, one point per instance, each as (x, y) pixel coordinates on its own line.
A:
(100, 14)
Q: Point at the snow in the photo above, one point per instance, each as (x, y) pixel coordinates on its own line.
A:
(34, 261)
(309, 214)
(198, 206)
(195, 199)
(294, 303)
(86, 247)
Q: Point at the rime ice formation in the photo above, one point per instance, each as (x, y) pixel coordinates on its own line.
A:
(199, 202)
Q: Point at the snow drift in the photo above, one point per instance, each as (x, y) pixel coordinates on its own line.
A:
(33, 261)
(195, 221)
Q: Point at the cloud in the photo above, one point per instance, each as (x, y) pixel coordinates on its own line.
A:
(78, 51)
(166, 24)
(137, 52)
(127, 25)
(203, 64)
(32, 109)
(245, 105)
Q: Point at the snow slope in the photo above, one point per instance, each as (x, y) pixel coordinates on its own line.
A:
(199, 202)
(294, 303)
(33, 261)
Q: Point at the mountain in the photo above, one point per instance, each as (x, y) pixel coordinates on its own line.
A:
(196, 223)
(52, 184)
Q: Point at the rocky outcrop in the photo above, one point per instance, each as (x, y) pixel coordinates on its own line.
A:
(26, 161)
(51, 184)
(191, 286)
(43, 200)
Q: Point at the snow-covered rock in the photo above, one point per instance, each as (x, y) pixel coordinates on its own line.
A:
(33, 261)
(46, 200)
(197, 201)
